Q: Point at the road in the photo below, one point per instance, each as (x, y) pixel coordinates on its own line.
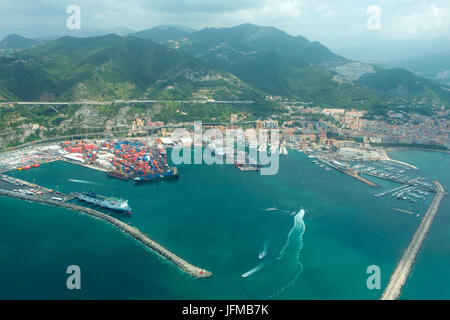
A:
(401, 272)
(91, 102)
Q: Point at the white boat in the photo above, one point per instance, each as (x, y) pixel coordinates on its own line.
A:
(283, 151)
(110, 203)
(262, 253)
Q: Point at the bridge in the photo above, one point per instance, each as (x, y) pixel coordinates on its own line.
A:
(92, 102)
(401, 272)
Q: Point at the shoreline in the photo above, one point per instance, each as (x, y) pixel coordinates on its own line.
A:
(387, 158)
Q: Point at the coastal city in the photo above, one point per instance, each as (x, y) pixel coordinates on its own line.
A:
(193, 152)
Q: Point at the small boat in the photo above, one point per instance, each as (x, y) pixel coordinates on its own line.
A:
(262, 253)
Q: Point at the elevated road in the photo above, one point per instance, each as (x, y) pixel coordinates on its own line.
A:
(91, 102)
(401, 272)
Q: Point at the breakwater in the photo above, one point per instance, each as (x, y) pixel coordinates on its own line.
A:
(131, 231)
(351, 173)
(401, 272)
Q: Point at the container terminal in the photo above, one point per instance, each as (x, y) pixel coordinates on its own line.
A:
(127, 160)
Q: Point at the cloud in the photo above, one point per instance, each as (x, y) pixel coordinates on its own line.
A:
(428, 23)
(329, 21)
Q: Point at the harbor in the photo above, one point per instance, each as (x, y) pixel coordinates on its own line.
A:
(208, 234)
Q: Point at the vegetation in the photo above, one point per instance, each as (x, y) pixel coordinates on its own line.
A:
(411, 145)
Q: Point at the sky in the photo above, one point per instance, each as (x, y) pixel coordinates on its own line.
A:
(335, 23)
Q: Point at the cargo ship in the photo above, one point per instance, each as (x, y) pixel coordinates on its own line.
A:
(172, 173)
(105, 202)
(120, 175)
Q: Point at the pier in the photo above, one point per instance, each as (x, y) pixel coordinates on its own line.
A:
(401, 272)
(403, 210)
(129, 230)
(389, 191)
(351, 173)
(411, 183)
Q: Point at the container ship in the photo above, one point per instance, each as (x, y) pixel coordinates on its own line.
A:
(120, 175)
(105, 202)
(171, 173)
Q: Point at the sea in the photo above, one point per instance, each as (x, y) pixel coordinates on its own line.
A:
(221, 219)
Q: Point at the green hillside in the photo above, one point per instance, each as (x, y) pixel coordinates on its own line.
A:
(15, 41)
(219, 46)
(162, 33)
(111, 67)
(402, 85)
(301, 81)
(245, 62)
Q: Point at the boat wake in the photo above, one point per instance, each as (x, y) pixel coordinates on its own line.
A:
(289, 257)
(276, 209)
(263, 252)
(254, 270)
(84, 182)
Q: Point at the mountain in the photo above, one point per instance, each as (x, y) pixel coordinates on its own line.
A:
(112, 67)
(402, 85)
(432, 66)
(163, 33)
(297, 80)
(238, 63)
(219, 46)
(15, 41)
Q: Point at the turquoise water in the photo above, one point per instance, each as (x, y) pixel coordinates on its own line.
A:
(220, 218)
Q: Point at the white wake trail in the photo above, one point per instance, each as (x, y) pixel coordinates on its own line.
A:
(84, 182)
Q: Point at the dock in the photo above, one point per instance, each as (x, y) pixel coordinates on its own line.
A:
(389, 191)
(61, 201)
(403, 210)
(401, 272)
(350, 172)
(411, 183)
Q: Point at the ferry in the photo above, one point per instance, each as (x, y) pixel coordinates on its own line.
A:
(104, 202)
